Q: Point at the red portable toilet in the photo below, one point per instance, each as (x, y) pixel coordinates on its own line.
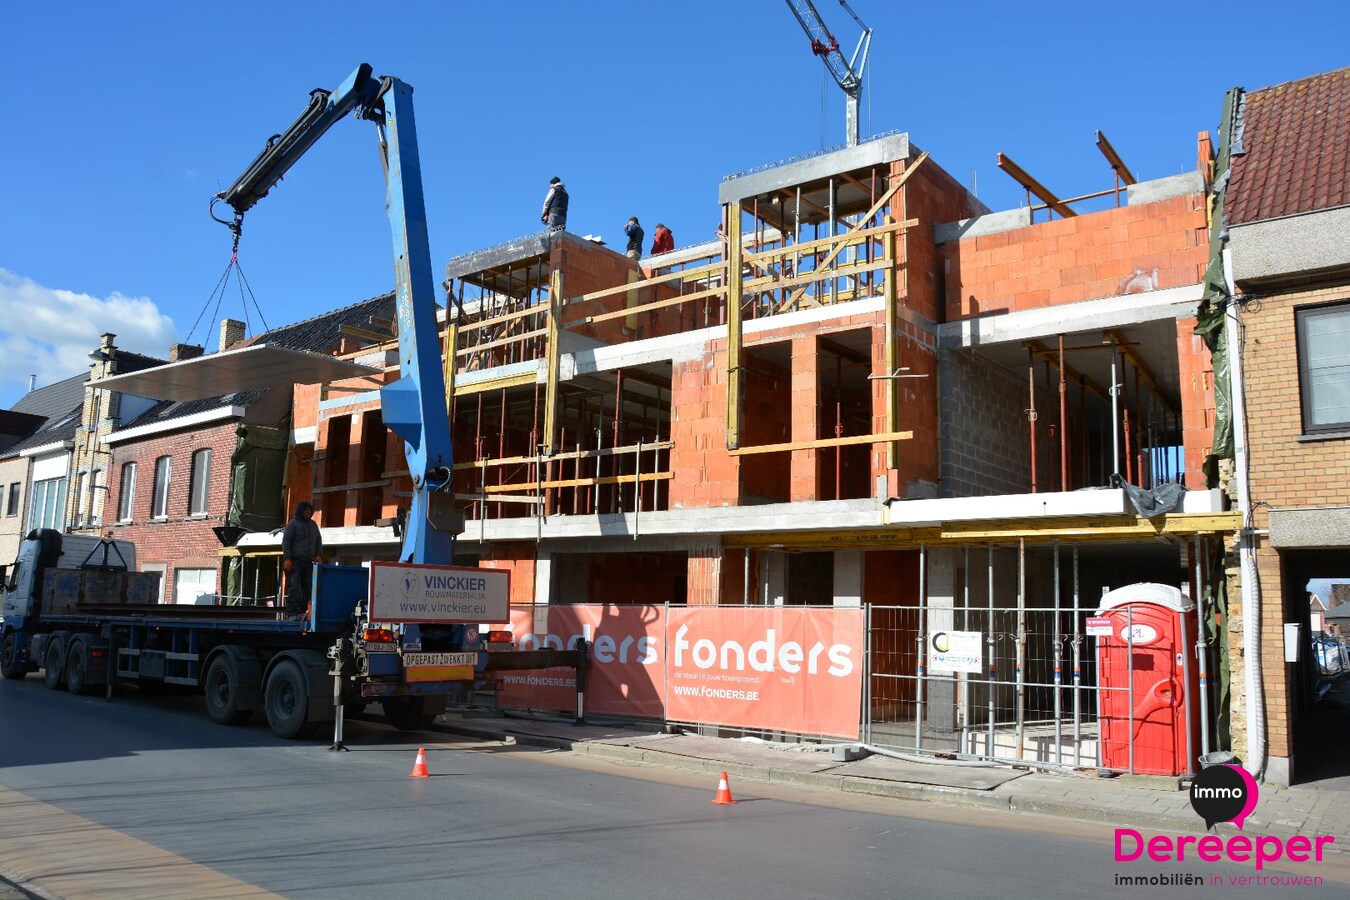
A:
(1148, 680)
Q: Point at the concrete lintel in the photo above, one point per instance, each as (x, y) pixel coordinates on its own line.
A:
(1067, 318)
(1291, 248)
(510, 251)
(692, 522)
(992, 223)
(791, 174)
(1106, 502)
(1165, 188)
(1310, 528)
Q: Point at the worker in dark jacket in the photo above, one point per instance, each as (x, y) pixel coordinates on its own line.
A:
(663, 241)
(635, 233)
(555, 205)
(301, 548)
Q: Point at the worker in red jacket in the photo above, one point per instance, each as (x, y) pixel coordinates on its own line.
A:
(663, 241)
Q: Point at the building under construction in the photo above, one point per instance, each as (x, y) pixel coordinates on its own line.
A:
(868, 391)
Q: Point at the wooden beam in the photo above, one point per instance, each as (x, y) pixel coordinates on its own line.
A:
(509, 339)
(849, 238)
(375, 337)
(570, 454)
(579, 482)
(1112, 157)
(1021, 177)
(334, 488)
(892, 349)
(735, 289)
(824, 442)
(555, 306)
(876, 207)
(451, 363)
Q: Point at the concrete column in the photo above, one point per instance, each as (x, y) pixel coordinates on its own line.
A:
(848, 578)
(543, 576)
(772, 578)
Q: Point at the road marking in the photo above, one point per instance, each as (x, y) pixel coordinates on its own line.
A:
(48, 850)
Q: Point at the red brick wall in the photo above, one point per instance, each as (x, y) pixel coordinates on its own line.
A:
(178, 541)
(518, 559)
(933, 197)
(704, 473)
(1081, 258)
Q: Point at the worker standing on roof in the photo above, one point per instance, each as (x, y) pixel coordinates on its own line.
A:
(301, 548)
(635, 234)
(555, 205)
(663, 241)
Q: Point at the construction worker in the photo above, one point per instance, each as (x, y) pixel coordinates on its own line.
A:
(555, 205)
(663, 241)
(301, 548)
(635, 234)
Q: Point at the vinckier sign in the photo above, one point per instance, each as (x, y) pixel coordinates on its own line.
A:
(442, 595)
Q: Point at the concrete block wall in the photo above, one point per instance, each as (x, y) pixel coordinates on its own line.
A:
(985, 439)
(180, 540)
(1109, 253)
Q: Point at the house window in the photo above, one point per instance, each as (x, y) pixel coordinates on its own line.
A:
(126, 509)
(159, 508)
(1324, 367)
(201, 481)
(100, 491)
(49, 503)
(12, 504)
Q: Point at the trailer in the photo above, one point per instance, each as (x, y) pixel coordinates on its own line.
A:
(76, 611)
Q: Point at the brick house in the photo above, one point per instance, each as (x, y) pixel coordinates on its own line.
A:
(1286, 211)
(181, 470)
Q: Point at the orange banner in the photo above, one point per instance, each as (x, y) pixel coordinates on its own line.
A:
(781, 668)
(795, 669)
(625, 675)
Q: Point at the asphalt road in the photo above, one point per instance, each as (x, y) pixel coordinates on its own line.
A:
(146, 797)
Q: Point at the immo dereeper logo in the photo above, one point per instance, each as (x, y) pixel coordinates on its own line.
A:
(1224, 794)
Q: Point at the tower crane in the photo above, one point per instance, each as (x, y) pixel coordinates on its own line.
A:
(847, 73)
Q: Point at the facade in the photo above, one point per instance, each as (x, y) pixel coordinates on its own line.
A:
(870, 391)
(46, 417)
(1286, 299)
(189, 477)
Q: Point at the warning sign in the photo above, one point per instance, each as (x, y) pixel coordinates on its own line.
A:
(955, 651)
(1098, 626)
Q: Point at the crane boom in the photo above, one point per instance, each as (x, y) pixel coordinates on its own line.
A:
(413, 407)
(847, 73)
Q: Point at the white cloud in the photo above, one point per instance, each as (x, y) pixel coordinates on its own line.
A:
(50, 332)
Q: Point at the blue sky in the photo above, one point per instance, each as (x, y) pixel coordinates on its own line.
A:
(125, 118)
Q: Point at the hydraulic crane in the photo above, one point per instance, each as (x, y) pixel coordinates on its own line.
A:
(847, 73)
(413, 406)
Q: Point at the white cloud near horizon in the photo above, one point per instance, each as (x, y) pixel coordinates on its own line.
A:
(50, 332)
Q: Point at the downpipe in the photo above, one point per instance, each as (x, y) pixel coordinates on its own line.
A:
(1251, 591)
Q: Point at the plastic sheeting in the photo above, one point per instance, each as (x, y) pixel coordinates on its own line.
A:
(1158, 501)
(257, 490)
(1214, 303)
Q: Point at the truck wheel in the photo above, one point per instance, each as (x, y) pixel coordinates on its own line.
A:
(287, 701)
(77, 667)
(9, 656)
(222, 704)
(407, 713)
(54, 663)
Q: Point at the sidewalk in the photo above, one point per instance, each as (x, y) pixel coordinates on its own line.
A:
(1141, 802)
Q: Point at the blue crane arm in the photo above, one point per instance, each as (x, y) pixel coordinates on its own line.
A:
(413, 407)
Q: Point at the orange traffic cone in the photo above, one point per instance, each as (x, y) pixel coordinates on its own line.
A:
(420, 767)
(723, 791)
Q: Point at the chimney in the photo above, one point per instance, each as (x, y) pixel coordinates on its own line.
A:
(180, 352)
(231, 333)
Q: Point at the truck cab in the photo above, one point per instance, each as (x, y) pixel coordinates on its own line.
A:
(46, 549)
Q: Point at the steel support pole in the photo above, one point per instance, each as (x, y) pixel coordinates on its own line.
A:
(989, 641)
(1021, 642)
(922, 645)
(1059, 663)
(1115, 412)
(1201, 648)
